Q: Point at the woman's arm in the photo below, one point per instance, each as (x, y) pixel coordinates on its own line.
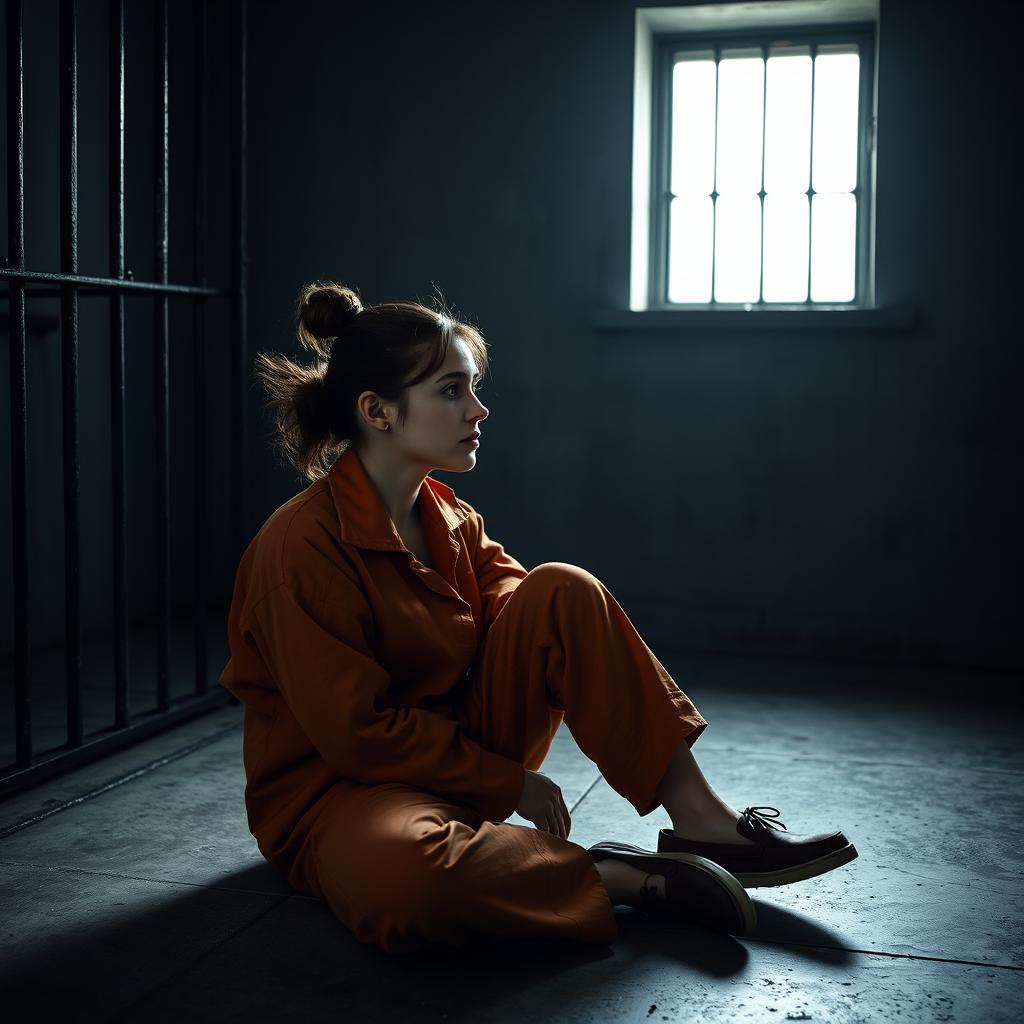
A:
(319, 655)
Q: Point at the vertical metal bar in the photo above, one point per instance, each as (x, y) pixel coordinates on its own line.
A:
(810, 174)
(862, 193)
(240, 260)
(19, 407)
(160, 361)
(662, 112)
(866, 203)
(714, 184)
(764, 131)
(664, 127)
(117, 369)
(69, 360)
(199, 351)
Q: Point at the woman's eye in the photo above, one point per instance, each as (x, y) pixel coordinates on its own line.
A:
(450, 389)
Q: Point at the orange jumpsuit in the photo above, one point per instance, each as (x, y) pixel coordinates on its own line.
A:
(391, 710)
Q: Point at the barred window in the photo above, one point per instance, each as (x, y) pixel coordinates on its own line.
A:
(761, 147)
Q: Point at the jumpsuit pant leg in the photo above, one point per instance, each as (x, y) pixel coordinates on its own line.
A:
(404, 868)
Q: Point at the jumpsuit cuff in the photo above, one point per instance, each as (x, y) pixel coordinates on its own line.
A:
(596, 912)
(577, 896)
(687, 723)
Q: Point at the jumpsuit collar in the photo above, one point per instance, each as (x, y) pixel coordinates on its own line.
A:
(362, 516)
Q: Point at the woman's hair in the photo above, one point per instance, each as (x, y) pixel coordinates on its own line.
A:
(385, 348)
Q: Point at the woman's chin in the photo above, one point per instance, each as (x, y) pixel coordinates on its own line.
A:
(461, 464)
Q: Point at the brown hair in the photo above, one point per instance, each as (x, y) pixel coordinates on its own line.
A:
(385, 348)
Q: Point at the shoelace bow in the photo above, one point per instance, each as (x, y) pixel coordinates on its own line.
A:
(757, 820)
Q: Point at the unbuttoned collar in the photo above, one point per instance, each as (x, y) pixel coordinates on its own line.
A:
(362, 515)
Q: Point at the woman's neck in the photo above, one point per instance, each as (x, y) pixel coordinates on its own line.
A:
(398, 486)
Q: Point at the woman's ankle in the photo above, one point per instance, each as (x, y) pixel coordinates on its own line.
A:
(714, 823)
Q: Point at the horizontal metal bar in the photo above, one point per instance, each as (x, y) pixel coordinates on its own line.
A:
(119, 780)
(109, 741)
(112, 284)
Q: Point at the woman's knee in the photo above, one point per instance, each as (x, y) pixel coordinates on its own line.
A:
(562, 573)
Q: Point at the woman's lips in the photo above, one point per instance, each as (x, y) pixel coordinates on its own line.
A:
(474, 441)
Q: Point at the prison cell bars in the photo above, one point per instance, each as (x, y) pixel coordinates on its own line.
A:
(69, 284)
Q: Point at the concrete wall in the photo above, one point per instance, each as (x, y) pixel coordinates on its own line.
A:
(849, 494)
(809, 492)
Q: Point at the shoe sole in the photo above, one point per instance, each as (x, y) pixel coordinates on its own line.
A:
(649, 859)
(798, 872)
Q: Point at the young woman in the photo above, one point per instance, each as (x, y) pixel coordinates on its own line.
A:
(403, 677)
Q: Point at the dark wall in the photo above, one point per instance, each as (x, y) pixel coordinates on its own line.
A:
(848, 494)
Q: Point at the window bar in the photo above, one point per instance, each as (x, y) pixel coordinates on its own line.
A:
(117, 365)
(199, 349)
(240, 260)
(160, 364)
(863, 148)
(764, 132)
(69, 362)
(714, 182)
(662, 126)
(810, 173)
(19, 413)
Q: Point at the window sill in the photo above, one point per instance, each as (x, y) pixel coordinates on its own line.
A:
(885, 318)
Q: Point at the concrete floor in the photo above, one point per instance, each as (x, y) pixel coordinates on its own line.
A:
(137, 893)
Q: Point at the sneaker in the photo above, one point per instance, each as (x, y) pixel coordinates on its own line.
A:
(697, 890)
(771, 858)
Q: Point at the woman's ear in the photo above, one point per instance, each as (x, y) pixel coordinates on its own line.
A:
(371, 410)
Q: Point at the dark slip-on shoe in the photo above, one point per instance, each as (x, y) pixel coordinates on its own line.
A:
(772, 858)
(697, 890)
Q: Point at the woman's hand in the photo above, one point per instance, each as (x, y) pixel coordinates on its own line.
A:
(542, 804)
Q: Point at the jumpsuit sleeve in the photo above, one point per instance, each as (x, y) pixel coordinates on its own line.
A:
(497, 572)
(318, 654)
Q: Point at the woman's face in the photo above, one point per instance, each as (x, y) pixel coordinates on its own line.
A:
(443, 410)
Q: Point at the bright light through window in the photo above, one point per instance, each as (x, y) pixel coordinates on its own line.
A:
(763, 164)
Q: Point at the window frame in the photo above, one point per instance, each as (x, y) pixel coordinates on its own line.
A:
(666, 46)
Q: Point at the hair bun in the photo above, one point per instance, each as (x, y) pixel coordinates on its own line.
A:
(325, 310)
